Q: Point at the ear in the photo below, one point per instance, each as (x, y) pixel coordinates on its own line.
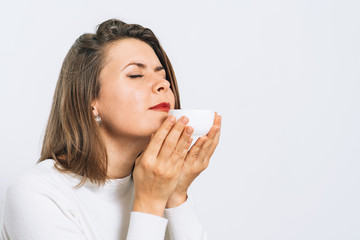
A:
(94, 106)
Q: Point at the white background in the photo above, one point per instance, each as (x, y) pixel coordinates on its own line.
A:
(285, 76)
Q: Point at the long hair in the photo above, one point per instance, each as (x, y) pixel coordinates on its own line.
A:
(72, 136)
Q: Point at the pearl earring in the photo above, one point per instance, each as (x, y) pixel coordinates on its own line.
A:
(98, 120)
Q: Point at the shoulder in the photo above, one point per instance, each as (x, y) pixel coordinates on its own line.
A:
(41, 196)
(42, 178)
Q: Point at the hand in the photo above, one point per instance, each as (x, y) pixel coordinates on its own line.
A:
(157, 169)
(196, 161)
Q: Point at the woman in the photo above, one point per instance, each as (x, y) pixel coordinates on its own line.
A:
(111, 166)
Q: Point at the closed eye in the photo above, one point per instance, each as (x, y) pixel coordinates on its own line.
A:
(135, 76)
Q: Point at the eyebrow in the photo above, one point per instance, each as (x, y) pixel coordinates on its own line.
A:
(141, 65)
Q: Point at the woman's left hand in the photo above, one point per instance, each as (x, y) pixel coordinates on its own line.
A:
(196, 161)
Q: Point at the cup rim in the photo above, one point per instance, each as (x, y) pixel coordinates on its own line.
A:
(202, 110)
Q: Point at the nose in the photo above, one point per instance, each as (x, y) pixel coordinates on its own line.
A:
(161, 85)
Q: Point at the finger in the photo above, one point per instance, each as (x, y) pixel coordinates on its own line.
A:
(159, 137)
(215, 126)
(184, 154)
(217, 137)
(209, 147)
(186, 148)
(195, 149)
(173, 138)
(213, 131)
(217, 119)
(213, 134)
(203, 155)
(214, 145)
(183, 142)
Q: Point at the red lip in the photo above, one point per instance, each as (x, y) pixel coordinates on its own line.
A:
(164, 106)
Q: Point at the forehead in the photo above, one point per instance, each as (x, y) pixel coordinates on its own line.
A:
(126, 50)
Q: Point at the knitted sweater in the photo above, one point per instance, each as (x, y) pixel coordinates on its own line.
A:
(42, 203)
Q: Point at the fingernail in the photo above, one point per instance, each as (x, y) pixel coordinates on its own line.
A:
(189, 130)
(185, 120)
(172, 119)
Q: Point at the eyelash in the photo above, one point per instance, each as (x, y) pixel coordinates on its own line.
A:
(135, 76)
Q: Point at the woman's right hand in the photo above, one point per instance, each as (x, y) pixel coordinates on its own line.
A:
(157, 169)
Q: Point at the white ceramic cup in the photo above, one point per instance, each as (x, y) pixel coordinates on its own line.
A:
(200, 120)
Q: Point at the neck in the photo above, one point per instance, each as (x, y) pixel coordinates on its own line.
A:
(122, 153)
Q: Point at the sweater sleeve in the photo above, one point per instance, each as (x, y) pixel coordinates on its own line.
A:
(183, 223)
(31, 212)
(143, 226)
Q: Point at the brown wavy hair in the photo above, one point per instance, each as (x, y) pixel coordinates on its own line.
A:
(72, 136)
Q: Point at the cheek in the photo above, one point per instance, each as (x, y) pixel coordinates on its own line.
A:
(134, 101)
(124, 110)
(172, 101)
(123, 97)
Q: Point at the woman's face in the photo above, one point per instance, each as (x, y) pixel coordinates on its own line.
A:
(132, 81)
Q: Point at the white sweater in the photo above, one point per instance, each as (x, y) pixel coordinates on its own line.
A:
(42, 204)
